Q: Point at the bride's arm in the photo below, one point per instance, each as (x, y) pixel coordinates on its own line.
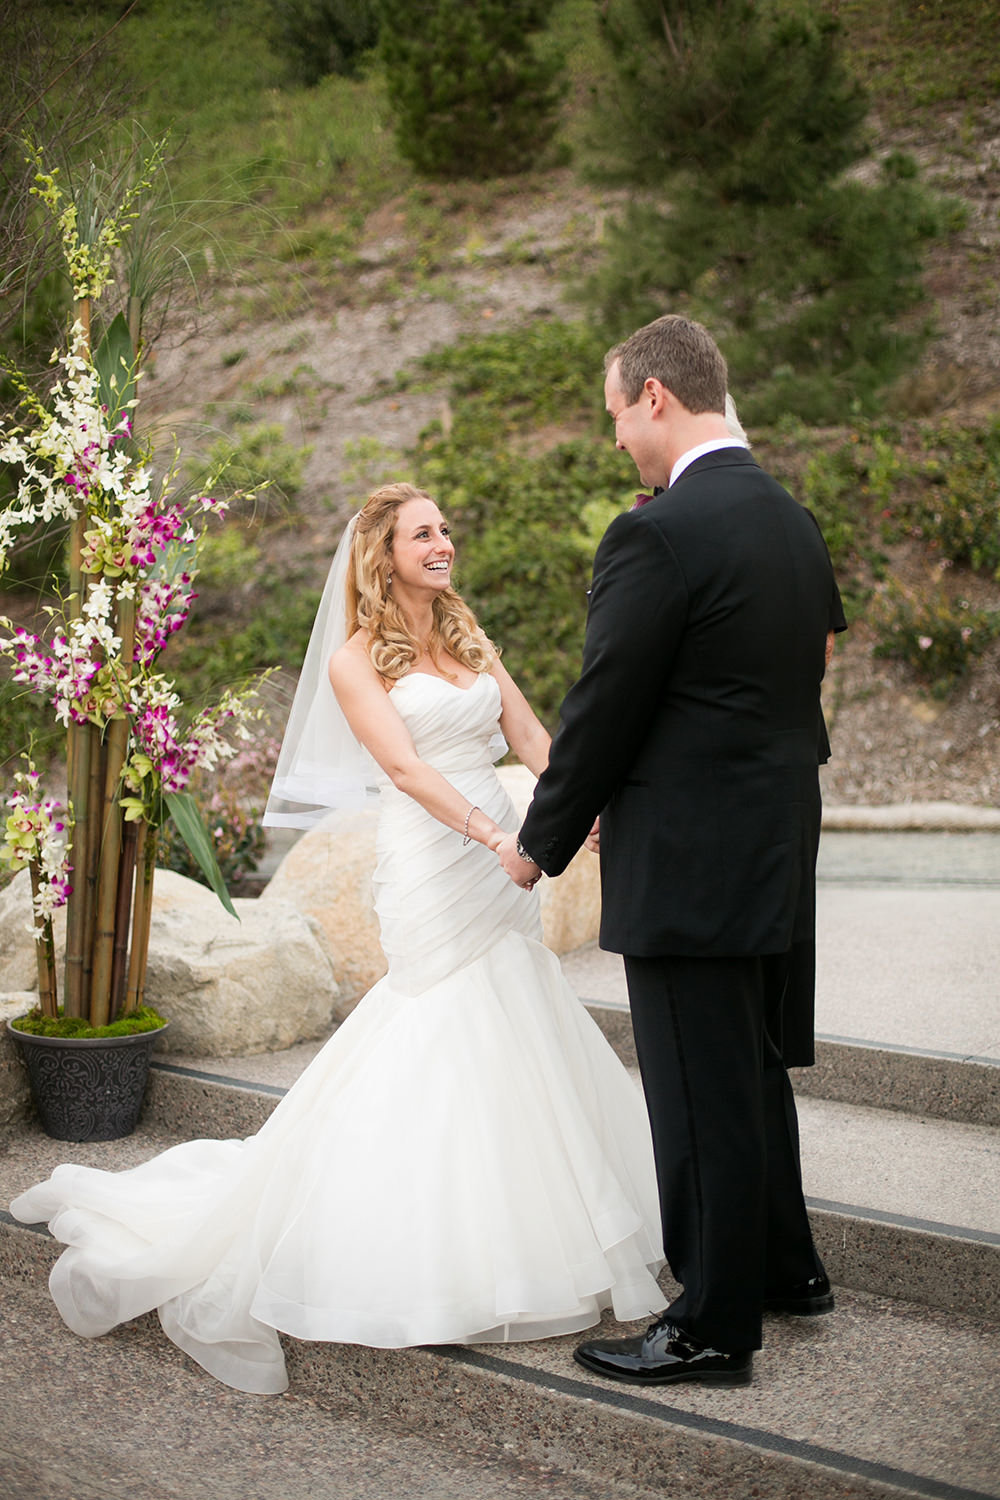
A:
(374, 721)
(526, 736)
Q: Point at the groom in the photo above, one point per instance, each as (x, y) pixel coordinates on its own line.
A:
(695, 732)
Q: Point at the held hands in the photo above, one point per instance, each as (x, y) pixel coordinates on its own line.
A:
(593, 839)
(523, 872)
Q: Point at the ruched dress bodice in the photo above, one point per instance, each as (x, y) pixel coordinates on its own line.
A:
(442, 903)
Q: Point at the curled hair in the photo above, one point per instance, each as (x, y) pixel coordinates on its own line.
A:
(681, 355)
(392, 646)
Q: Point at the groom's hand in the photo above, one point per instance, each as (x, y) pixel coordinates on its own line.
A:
(523, 872)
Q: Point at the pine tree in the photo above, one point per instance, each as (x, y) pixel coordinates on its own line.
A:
(474, 85)
(324, 36)
(737, 124)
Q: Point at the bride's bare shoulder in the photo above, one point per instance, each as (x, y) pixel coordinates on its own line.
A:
(351, 669)
(352, 657)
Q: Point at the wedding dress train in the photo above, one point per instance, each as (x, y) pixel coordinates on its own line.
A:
(465, 1161)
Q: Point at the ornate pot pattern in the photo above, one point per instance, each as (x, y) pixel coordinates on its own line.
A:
(87, 1089)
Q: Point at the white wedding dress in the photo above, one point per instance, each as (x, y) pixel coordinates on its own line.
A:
(465, 1161)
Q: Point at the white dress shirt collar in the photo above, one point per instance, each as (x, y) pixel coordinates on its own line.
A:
(712, 446)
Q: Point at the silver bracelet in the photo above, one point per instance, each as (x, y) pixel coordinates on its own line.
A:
(468, 836)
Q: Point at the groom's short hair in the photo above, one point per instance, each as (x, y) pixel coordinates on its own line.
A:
(680, 354)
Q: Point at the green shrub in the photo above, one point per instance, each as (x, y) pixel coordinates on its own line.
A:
(526, 527)
(548, 371)
(227, 560)
(215, 655)
(473, 85)
(831, 488)
(736, 123)
(938, 636)
(957, 509)
(324, 36)
(256, 458)
(758, 99)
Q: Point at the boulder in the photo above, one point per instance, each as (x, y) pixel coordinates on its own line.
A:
(571, 904)
(327, 874)
(15, 1092)
(18, 965)
(227, 987)
(230, 987)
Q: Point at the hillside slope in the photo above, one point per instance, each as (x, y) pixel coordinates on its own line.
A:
(324, 372)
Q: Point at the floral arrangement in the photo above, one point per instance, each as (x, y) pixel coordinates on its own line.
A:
(131, 748)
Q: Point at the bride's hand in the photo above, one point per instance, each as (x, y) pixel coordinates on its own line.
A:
(593, 839)
(524, 873)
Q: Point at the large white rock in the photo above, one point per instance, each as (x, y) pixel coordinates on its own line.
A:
(18, 964)
(327, 874)
(571, 904)
(15, 1093)
(232, 987)
(227, 987)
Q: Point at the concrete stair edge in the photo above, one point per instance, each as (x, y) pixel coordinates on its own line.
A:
(848, 1070)
(908, 1079)
(481, 1401)
(941, 1265)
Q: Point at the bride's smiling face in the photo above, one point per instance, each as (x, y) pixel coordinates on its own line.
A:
(422, 549)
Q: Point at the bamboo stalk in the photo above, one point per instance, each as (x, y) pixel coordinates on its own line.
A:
(123, 910)
(107, 873)
(109, 877)
(80, 745)
(135, 322)
(95, 795)
(45, 954)
(141, 917)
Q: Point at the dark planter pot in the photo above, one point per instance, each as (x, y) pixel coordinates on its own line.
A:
(87, 1089)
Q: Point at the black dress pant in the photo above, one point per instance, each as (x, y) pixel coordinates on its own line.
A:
(725, 1138)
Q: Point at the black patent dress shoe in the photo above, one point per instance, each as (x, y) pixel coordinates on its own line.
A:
(807, 1299)
(664, 1355)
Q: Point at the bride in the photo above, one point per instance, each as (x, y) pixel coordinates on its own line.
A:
(466, 1160)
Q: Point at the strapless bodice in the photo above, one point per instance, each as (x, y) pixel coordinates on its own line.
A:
(454, 729)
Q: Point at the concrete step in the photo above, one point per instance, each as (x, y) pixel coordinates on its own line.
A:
(879, 1398)
(129, 1416)
(901, 1206)
(918, 1028)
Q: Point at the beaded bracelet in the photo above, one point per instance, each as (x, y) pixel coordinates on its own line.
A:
(468, 836)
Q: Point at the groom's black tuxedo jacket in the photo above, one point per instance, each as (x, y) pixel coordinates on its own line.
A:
(695, 728)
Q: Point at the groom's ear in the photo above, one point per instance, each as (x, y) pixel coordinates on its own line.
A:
(659, 396)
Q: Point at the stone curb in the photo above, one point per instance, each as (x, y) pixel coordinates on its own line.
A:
(912, 817)
(911, 1080)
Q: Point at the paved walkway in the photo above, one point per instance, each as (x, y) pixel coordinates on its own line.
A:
(908, 942)
(908, 950)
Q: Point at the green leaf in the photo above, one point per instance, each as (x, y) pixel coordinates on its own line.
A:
(191, 827)
(115, 363)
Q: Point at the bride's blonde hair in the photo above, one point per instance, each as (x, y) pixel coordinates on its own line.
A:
(392, 646)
